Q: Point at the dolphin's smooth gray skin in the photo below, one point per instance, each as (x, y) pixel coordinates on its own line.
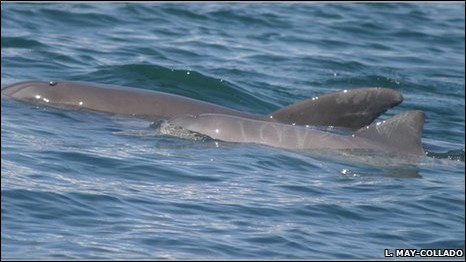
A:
(352, 108)
(399, 134)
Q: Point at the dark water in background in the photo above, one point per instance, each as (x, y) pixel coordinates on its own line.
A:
(83, 185)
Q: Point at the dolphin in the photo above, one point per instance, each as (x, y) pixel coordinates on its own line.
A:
(350, 108)
(400, 134)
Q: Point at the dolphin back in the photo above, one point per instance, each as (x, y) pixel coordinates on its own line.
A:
(352, 108)
(399, 134)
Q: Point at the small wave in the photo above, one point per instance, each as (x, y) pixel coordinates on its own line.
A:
(167, 128)
(20, 42)
(78, 16)
(456, 155)
(370, 80)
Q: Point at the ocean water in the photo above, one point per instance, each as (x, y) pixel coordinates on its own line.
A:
(81, 185)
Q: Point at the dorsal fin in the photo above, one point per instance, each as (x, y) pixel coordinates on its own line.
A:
(352, 108)
(402, 132)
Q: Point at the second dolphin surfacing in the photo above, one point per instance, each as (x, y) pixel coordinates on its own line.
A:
(399, 134)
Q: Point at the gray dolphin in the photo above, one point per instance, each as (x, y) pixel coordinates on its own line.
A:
(399, 134)
(352, 108)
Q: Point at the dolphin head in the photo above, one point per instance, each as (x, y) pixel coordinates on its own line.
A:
(58, 93)
(31, 90)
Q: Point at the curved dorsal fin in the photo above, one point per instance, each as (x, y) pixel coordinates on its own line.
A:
(402, 132)
(352, 108)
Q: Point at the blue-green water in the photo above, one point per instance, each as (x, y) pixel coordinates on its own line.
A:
(83, 185)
